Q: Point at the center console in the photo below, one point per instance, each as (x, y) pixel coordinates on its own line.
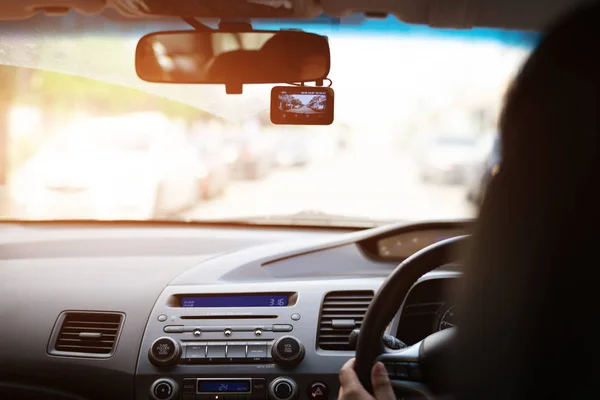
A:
(239, 342)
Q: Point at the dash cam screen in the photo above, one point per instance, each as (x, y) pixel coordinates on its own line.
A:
(303, 106)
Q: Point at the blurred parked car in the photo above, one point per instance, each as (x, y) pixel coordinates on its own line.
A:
(254, 157)
(214, 180)
(249, 150)
(294, 146)
(448, 159)
(126, 167)
(483, 174)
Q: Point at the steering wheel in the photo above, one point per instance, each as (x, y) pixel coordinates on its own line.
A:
(412, 369)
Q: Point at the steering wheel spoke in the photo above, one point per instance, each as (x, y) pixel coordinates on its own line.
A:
(404, 371)
(403, 364)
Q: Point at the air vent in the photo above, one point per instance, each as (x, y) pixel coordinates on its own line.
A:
(86, 334)
(341, 313)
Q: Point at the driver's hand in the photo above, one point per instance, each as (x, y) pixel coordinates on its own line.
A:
(352, 389)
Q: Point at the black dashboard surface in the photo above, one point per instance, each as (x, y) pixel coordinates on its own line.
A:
(46, 270)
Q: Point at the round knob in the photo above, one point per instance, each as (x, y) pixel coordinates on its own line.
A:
(164, 389)
(164, 351)
(283, 389)
(287, 351)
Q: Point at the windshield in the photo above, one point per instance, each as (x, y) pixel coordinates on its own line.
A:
(106, 134)
(454, 141)
(196, 153)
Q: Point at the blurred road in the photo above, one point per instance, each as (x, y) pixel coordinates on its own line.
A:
(302, 110)
(360, 182)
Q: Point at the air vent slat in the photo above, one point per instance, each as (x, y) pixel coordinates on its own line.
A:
(87, 328)
(87, 334)
(349, 303)
(366, 297)
(343, 308)
(341, 315)
(73, 340)
(334, 310)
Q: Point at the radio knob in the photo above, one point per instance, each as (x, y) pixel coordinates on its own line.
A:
(164, 389)
(287, 351)
(283, 389)
(164, 352)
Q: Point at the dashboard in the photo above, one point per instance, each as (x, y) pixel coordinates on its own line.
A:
(199, 312)
(403, 245)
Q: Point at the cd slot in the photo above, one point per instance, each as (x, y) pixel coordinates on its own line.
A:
(221, 317)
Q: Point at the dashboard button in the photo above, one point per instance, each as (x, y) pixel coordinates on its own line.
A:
(257, 350)
(288, 347)
(195, 350)
(401, 370)
(283, 389)
(415, 372)
(162, 318)
(236, 351)
(215, 350)
(259, 389)
(318, 391)
(189, 386)
(282, 328)
(391, 370)
(295, 317)
(163, 389)
(173, 329)
(287, 352)
(164, 351)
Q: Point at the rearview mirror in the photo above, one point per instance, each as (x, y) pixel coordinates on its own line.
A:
(232, 57)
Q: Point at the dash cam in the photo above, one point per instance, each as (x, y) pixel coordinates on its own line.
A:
(302, 105)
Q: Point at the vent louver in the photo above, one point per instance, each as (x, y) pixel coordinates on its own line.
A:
(341, 313)
(86, 334)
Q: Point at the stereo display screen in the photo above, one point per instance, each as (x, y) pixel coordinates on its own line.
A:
(262, 300)
(223, 386)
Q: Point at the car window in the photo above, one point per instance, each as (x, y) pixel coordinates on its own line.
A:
(412, 106)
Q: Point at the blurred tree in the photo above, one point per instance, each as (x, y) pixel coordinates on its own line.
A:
(60, 94)
(8, 79)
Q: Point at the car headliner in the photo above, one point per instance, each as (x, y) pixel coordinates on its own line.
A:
(507, 14)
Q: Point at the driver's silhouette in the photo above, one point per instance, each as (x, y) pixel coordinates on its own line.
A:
(529, 309)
